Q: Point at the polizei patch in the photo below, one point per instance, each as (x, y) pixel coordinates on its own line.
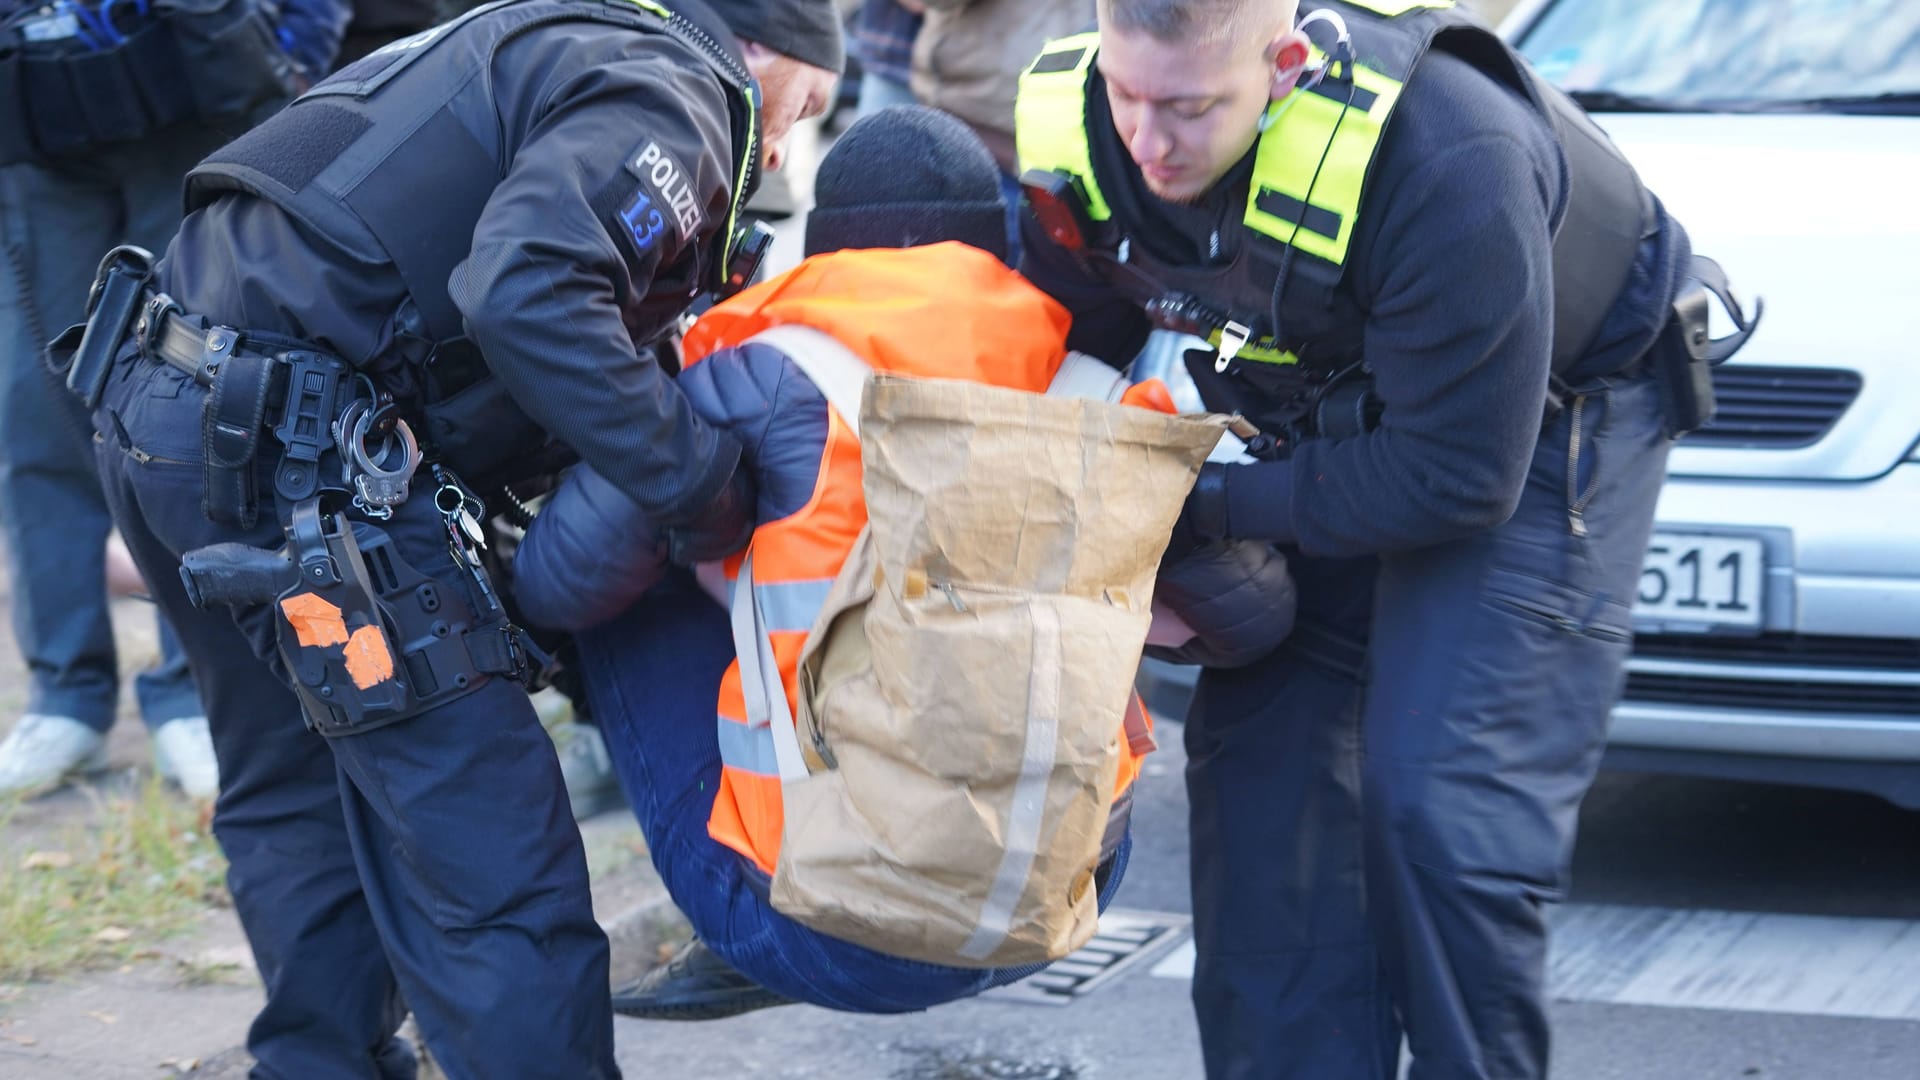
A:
(667, 181)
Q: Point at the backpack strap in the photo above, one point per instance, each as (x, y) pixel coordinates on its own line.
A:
(760, 683)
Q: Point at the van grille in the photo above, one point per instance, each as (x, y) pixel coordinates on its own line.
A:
(1762, 407)
(1832, 674)
(1784, 650)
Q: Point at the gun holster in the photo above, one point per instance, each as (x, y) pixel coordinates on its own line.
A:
(367, 639)
(83, 354)
(1684, 355)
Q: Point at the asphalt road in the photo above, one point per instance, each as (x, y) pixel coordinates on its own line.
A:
(1716, 930)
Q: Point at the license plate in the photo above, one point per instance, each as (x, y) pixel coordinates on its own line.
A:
(1711, 580)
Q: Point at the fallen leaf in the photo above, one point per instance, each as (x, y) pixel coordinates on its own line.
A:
(103, 1017)
(23, 1040)
(180, 1065)
(47, 860)
(113, 935)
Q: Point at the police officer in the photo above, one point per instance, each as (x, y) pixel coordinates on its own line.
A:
(1447, 303)
(104, 108)
(428, 276)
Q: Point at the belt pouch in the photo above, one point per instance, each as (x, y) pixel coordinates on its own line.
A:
(107, 97)
(16, 112)
(229, 56)
(231, 424)
(93, 345)
(1684, 372)
(480, 431)
(55, 116)
(153, 68)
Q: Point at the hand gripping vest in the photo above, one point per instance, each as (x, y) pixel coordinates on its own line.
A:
(1302, 209)
(949, 311)
(409, 189)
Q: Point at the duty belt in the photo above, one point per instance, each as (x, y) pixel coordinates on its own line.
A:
(310, 400)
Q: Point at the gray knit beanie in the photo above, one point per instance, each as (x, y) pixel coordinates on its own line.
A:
(807, 30)
(906, 176)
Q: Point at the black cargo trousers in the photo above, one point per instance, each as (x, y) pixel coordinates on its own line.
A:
(433, 862)
(1376, 830)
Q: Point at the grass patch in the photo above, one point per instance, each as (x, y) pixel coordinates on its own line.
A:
(144, 868)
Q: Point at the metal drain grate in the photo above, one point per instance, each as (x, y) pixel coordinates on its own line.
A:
(1124, 940)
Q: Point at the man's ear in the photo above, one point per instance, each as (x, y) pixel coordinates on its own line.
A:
(1287, 54)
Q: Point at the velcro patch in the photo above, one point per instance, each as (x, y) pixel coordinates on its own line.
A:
(666, 196)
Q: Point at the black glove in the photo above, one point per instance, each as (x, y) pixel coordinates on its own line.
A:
(721, 528)
(1203, 520)
(1237, 597)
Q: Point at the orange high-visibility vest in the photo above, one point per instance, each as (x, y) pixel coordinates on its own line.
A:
(941, 311)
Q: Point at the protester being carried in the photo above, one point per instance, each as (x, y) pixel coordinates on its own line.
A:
(937, 301)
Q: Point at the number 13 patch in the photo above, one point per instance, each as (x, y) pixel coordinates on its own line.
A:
(665, 200)
(644, 220)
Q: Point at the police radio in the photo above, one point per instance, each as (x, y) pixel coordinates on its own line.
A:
(1060, 206)
(745, 256)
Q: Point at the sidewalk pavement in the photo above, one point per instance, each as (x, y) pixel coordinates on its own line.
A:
(181, 1007)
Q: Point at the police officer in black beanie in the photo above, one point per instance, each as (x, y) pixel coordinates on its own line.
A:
(485, 260)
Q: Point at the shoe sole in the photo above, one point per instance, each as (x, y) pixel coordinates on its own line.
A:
(699, 1009)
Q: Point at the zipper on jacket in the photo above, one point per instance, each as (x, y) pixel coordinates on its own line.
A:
(1562, 621)
(1577, 500)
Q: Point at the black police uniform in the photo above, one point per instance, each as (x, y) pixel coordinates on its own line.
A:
(1382, 808)
(544, 184)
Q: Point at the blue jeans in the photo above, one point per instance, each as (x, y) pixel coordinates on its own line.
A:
(652, 677)
(54, 227)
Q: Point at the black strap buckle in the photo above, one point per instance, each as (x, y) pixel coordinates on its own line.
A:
(1690, 307)
(317, 390)
(153, 315)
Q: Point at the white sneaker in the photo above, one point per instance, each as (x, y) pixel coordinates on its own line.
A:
(43, 751)
(183, 753)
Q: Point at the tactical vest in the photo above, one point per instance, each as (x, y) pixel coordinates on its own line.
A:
(1310, 173)
(401, 151)
(947, 311)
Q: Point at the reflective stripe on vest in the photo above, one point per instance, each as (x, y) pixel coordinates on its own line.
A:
(1049, 115)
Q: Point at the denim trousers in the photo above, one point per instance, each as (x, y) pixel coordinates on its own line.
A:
(55, 224)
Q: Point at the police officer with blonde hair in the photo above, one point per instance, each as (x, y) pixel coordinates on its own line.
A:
(1449, 305)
